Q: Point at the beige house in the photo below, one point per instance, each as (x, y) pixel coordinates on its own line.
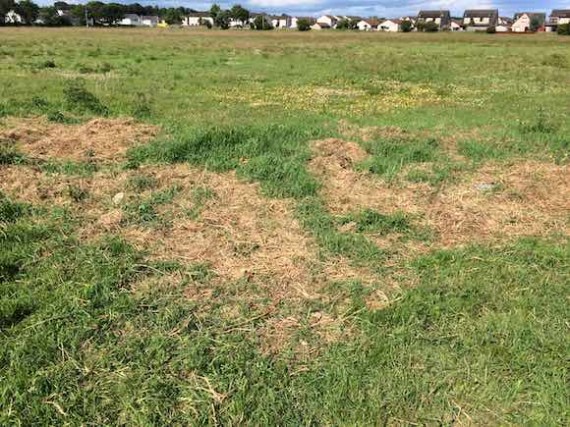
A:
(389, 26)
(329, 20)
(367, 25)
(320, 26)
(441, 17)
(480, 20)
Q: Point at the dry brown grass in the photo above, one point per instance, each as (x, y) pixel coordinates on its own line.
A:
(303, 336)
(239, 233)
(97, 140)
(346, 190)
(528, 198)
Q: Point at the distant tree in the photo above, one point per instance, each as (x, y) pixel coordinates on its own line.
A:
(78, 13)
(112, 13)
(215, 11)
(430, 27)
(564, 29)
(303, 24)
(5, 7)
(28, 10)
(260, 23)
(61, 5)
(346, 24)
(535, 24)
(95, 10)
(223, 19)
(136, 9)
(406, 26)
(172, 16)
(50, 18)
(238, 13)
(491, 30)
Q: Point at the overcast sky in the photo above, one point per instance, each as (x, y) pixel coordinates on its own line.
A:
(382, 8)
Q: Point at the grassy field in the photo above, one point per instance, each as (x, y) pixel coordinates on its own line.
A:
(231, 228)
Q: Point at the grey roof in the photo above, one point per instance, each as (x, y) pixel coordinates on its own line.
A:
(424, 14)
(200, 14)
(560, 13)
(481, 13)
(541, 16)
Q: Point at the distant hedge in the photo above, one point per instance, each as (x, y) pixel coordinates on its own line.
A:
(564, 29)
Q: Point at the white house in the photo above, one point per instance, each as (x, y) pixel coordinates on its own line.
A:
(558, 17)
(281, 22)
(367, 25)
(131, 20)
(389, 26)
(320, 26)
(150, 21)
(523, 21)
(480, 20)
(329, 20)
(455, 26)
(13, 18)
(196, 19)
(441, 17)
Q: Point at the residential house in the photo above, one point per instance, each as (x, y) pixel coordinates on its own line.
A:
(455, 25)
(389, 26)
(329, 20)
(281, 22)
(504, 25)
(266, 19)
(150, 21)
(480, 20)
(196, 19)
(131, 20)
(320, 26)
(440, 17)
(523, 21)
(295, 20)
(367, 24)
(557, 17)
(13, 18)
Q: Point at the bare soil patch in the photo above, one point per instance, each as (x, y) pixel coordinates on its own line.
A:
(97, 140)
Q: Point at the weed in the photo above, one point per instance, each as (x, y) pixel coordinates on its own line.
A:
(369, 220)
(40, 103)
(9, 155)
(79, 98)
(11, 211)
(142, 108)
(48, 63)
(77, 193)
(142, 183)
(389, 156)
(200, 196)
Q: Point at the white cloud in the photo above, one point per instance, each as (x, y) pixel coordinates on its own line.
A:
(284, 3)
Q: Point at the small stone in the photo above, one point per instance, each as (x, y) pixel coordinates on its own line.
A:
(118, 198)
(485, 186)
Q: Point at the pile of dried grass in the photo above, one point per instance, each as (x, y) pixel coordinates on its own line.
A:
(99, 139)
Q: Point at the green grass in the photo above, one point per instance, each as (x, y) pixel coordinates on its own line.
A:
(95, 332)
